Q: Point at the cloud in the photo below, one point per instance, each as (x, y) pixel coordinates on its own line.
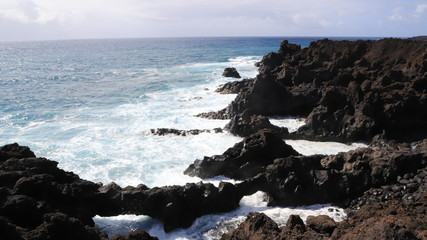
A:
(142, 18)
(421, 8)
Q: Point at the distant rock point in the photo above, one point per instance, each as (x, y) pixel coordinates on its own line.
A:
(231, 72)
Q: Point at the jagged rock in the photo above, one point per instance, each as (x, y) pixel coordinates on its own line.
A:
(175, 206)
(14, 151)
(257, 226)
(246, 124)
(233, 87)
(349, 90)
(231, 72)
(34, 188)
(395, 219)
(62, 226)
(246, 159)
(341, 178)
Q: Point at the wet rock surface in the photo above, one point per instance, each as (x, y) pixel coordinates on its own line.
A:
(178, 132)
(175, 206)
(382, 220)
(245, 160)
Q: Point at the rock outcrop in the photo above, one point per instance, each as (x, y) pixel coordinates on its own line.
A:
(247, 123)
(245, 160)
(231, 72)
(40, 201)
(384, 220)
(348, 90)
(233, 87)
(175, 206)
(266, 163)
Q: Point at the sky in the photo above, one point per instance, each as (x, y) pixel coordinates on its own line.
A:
(85, 19)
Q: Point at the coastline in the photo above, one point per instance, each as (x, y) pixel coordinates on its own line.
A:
(341, 179)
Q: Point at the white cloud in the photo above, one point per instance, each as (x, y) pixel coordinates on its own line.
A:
(421, 8)
(125, 18)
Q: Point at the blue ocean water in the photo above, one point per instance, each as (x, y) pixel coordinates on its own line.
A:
(90, 105)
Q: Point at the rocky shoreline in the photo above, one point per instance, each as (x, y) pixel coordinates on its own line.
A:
(375, 91)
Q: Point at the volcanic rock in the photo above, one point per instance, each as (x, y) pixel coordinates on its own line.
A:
(257, 226)
(40, 201)
(231, 72)
(245, 160)
(233, 87)
(246, 124)
(341, 178)
(348, 90)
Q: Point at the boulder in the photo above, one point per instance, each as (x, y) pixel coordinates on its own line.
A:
(257, 226)
(231, 72)
(321, 224)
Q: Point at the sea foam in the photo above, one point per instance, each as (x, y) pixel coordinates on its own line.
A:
(212, 226)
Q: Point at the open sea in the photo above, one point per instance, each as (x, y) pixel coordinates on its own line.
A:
(90, 105)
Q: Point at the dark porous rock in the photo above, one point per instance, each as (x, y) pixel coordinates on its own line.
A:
(8, 230)
(349, 90)
(15, 151)
(62, 226)
(231, 72)
(135, 235)
(40, 201)
(172, 131)
(321, 224)
(395, 219)
(221, 114)
(257, 226)
(295, 223)
(247, 123)
(233, 87)
(179, 206)
(245, 160)
(341, 178)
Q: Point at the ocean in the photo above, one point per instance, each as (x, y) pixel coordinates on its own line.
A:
(90, 105)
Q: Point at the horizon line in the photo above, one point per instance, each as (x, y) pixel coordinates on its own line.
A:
(183, 37)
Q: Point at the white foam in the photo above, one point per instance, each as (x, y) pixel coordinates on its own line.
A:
(213, 226)
(292, 123)
(105, 144)
(310, 147)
